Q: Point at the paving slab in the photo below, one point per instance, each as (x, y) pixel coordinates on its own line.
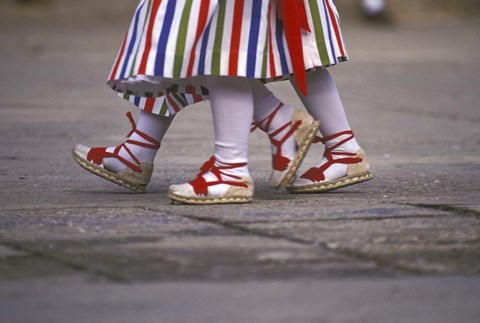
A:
(439, 300)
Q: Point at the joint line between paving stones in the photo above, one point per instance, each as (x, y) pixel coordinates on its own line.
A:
(72, 265)
(104, 207)
(365, 218)
(458, 210)
(381, 263)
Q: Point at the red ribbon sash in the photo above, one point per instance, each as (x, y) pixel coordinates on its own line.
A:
(294, 16)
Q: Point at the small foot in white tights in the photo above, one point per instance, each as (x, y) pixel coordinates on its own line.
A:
(216, 183)
(344, 163)
(291, 133)
(130, 164)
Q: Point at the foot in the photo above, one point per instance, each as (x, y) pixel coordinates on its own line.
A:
(290, 143)
(119, 164)
(341, 166)
(216, 183)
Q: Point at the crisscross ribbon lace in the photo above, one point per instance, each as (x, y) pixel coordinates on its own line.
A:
(200, 185)
(279, 162)
(96, 155)
(316, 174)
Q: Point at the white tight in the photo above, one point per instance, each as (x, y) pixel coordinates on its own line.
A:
(232, 109)
(323, 103)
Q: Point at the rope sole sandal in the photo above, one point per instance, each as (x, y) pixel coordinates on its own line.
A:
(303, 128)
(135, 176)
(240, 189)
(314, 180)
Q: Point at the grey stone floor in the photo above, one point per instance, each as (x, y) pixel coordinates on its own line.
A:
(403, 247)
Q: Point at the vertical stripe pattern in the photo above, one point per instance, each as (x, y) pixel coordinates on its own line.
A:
(172, 44)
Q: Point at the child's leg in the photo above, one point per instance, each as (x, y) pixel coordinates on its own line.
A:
(265, 104)
(232, 111)
(291, 132)
(341, 148)
(129, 164)
(225, 178)
(323, 103)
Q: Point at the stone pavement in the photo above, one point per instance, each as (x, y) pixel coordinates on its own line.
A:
(404, 247)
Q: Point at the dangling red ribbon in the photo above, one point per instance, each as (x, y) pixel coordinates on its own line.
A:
(294, 16)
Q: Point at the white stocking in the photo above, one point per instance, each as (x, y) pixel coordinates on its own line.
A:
(232, 109)
(323, 103)
(265, 104)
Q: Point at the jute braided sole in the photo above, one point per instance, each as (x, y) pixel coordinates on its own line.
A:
(303, 147)
(110, 176)
(208, 200)
(331, 185)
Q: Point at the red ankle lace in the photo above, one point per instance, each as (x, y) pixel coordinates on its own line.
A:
(200, 185)
(97, 154)
(316, 174)
(279, 162)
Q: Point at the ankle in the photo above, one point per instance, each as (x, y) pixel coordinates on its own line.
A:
(278, 127)
(143, 153)
(232, 170)
(343, 141)
(277, 118)
(135, 150)
(134, 155)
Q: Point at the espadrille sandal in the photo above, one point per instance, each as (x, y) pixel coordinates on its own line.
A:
(196, 191)
(135, 176)
(314, 180)
(303, 128)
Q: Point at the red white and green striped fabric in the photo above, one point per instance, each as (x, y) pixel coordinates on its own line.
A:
(172, 45)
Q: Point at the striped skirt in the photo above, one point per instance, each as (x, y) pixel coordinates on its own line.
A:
(173, 45)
